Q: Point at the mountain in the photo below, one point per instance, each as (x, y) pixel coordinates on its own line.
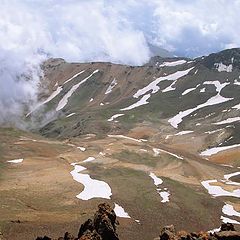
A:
(158, 51)
(159, 143)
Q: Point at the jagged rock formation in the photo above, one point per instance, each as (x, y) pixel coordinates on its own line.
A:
(102, 227)
(227, 232)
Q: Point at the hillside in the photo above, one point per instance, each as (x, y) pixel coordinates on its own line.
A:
(159, 142)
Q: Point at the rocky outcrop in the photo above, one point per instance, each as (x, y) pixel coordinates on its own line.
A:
(102, 227)
(227, 232)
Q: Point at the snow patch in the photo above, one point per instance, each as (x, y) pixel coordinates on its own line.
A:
(165, 196)
(172, 64)
(82, 148)
(125, 137)
(92, 188)
(217, 191)
(228, 220)
(229, 120)
(63, 102)
(20, 160)
(223, 68)
(74, 76)
(157, 181)
(190, 90)
(217, 99)
(230, 211)
(120, 212)
(89, 159)
(183, 133)
(153, 86)
(142, 101)
(115, 116)
(111, 86)
(71, 114)
(215, 150)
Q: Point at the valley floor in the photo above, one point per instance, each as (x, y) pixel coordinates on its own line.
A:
(58, 184)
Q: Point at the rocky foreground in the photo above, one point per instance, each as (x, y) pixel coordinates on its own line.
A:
(103, 227)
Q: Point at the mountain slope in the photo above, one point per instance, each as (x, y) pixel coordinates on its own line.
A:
(159, 141)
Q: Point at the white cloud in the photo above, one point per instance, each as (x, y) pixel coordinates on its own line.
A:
(102, 30)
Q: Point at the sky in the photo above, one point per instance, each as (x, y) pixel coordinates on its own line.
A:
(103, 30)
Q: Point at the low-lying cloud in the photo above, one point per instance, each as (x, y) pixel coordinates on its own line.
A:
(102, 30)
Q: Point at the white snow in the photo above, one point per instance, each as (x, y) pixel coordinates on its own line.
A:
(89, 159)
(236, 82)
(63, 102)
(101, 104)
(228, 176)
(189, 90)
(69, 115)
(218, 191)
(217, 99)
(52, 96)
(214, 131)
(115, 116)
(223, 68)
(153, 86)
(74, 76)
(172, 64)
(165, 196)
(142, 101)
(228, 220)
(216, 150)
(125, 137)
(215, 230)
(16, 160)
(120, 212)
(157, 181)
(170, 88)
(92, 188)
(229, 120)
(91, 100)
(203, 90)
(158, 150)
(111, 86)
(183, 133)
(229, 210)
(237, 106)
(82, 148)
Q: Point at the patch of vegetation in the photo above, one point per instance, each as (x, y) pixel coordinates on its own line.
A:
(136, 158)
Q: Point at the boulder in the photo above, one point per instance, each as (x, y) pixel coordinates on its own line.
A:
(105, 222)
(90, 235)
(227, 227)
(227, 235)
(168, 233)
(88, 225)
(68, 236)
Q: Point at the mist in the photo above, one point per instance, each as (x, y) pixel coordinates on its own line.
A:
(101, 30)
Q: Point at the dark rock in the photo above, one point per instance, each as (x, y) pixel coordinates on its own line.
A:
(105, 222)
(88, 235)
(228, 235)
(68, 236)
(43, 238)
(227, 227)
(88, 225)
(168, 233)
